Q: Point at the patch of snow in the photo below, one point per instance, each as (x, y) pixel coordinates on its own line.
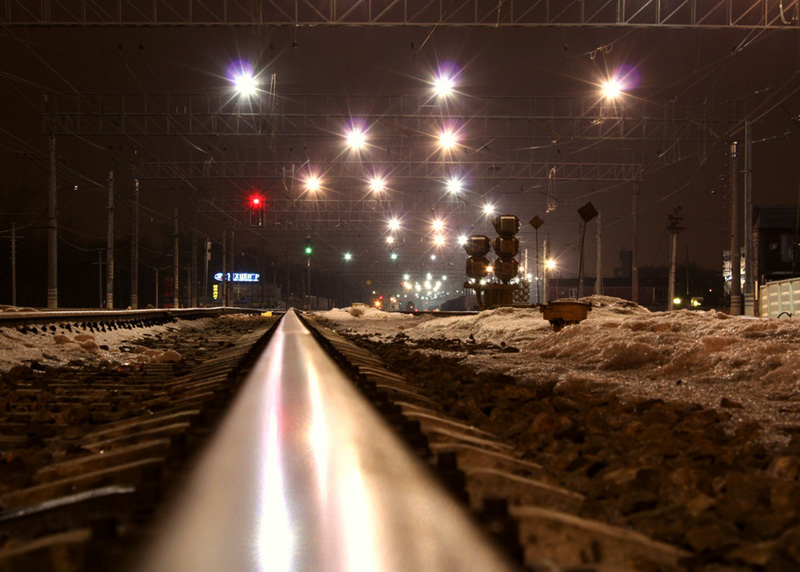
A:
(691, 356)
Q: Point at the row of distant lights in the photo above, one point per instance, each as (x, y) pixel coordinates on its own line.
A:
(443, 86)
(357, 139)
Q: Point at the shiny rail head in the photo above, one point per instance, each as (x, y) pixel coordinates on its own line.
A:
(304, 475)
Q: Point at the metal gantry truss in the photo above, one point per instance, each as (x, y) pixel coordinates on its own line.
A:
(745, 14)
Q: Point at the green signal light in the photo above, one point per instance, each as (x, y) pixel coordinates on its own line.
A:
(308, 250)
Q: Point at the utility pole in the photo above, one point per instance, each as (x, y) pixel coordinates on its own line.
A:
(205, 281)
(52, 231)
(635, 253)
(14, 239)
(135, 242)
(232, 260)
(110, 244)
(749, 258)
(176, 300)
(193, 263)
(736, 257)
(546, 280)
(224, 293)
(598, 281)
(674, 227)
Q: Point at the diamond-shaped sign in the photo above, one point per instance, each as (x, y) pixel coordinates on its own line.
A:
(587, 212)
(536, 222)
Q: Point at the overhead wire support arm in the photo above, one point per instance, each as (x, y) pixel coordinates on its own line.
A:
(742, 14)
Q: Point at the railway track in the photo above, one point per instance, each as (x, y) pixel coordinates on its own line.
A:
(297, 470)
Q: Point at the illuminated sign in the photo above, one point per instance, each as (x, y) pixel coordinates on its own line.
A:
(215, 291)
(238, 277)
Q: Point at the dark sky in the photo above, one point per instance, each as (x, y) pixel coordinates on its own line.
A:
(753, 73)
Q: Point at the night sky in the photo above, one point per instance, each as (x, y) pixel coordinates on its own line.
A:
(735, 74)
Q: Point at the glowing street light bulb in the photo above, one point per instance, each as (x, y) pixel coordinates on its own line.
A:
(549, 264)
(438, 240)
(313, 184)
(246, 84)
(437, 225)
(447, 139)
(390, 239)
(443, 86)
(406, 277)
(356, 139)
(394, 224)
(453, 185)
(611, 88)
(348, 257)
(377, 184)
(462, 239)
(393, 256)
(488, 209)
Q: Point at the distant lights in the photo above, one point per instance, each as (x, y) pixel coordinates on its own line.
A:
(438, 240)
(390, 239)
(394, 224)
(437, 225)
(488, 209)
(348, 257)
(462, 239)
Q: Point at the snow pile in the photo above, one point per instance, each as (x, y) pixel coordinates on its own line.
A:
(705, 357)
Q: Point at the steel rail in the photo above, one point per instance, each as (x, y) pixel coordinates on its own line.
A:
(29, 316)
(303, 474)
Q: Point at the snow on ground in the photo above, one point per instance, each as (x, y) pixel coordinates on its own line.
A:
(747, 365)
(64, 347)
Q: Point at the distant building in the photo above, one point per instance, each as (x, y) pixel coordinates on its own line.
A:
(775, 230)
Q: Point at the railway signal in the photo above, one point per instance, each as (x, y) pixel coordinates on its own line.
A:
(256, 210)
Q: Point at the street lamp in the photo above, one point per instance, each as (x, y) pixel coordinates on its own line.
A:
(611, 88)
(313, 184)
(356, 138)
(443, 85)
(454, 185)
(377, 184)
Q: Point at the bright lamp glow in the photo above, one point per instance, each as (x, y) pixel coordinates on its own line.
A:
(443, 86)
(245, 83)
(377, 184)
(611, 88)
(462, 240)
(390, 239)
(549, 264)
(488, 209)
(454, 185)
(438, 240)
(313, 184)
(437, 225)
(394, 223)
(348, 257)
(356, 139)
(447, 139)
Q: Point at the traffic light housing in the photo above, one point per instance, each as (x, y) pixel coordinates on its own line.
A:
(256, 210)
